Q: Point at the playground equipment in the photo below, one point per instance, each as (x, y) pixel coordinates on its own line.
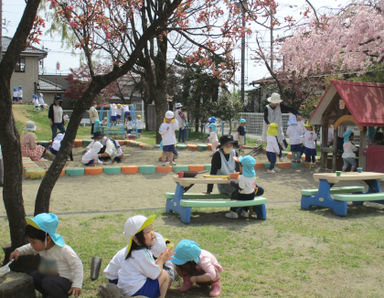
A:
(106, 126)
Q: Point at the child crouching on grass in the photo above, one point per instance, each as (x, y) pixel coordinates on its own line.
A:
(137, 271)
(60, 272)
(196, 265)
(245, 187)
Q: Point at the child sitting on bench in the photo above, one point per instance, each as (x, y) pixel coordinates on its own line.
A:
(245, 186)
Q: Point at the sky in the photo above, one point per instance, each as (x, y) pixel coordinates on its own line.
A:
(13, 9)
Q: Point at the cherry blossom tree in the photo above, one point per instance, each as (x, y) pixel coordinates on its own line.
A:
(348, 41)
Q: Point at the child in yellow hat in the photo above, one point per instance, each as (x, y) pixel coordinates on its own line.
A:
(310, 138)
(272, 149)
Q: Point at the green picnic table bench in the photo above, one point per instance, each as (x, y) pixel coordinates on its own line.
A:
(365, 197)
(334, 190)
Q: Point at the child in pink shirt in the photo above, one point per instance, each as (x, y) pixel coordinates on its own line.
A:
(196, 265)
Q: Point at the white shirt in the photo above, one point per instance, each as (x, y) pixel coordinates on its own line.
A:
(125, 108)
(56, 144)
(41, 99)
(349, 149)
(92, 153)
(63, 259)
(247, 184)
(294, 134)
(113, 109)
(35, 102)
(272, 145)
(167, 131)
(135, 270)
(57, 114)
(139, 124)
(93, 115)
(309, 139)
(330, 134)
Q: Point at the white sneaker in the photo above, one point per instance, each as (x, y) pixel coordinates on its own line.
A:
(271, 171)
(277, 170)
(232, 215)
(172, 163)
(244, 214)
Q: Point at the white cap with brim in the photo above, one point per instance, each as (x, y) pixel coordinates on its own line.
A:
(275, 98)
(47, 222)
(30, 126)
(134, 225)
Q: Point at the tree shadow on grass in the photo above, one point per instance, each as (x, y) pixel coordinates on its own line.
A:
(217, 218)
(354, 211)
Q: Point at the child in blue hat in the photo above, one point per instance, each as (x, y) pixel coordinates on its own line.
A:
(241, 131)
(212, 138)
(196, 265)
(245, 187)
(60, 272)
(15, 97)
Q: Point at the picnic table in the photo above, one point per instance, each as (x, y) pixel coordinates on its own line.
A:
(337, 198)
(181, 202)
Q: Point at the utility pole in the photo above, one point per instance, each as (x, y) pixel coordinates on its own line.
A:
(242, 4)
(271, 37)
(1, 28)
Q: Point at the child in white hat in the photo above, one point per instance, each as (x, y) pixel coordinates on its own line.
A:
(167, 131)
(60, 271)
(137, 272)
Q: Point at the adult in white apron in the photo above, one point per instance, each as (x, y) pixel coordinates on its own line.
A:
(222, 163)
(272, 114)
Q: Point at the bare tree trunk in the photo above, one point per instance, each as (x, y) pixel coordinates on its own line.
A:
(9, 136)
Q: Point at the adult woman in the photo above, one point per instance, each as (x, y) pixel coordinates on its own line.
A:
(56, 116)
(222, 163)
(28, 145)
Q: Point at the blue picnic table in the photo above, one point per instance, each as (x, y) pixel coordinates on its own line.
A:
(337, 198)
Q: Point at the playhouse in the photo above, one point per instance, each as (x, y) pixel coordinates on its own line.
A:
(352, 105)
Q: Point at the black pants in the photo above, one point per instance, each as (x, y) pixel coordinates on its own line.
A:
(239, 196)
(51, 286)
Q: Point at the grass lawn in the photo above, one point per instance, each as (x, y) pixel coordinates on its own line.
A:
(293, 253)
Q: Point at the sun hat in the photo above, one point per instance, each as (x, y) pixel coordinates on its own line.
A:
(178, 105)
(20, 87)
(242, 120)
(272, 129)
(274, 98)
(248, 163)
(134, 225)
(47, 222)
(292, 119)
(308, 125)
(226, 139)
(30, 126)
(212, 119)
(347, 134)
(58, 97)
(169, 115)
(34, 96)
(15, 89)
(186, 250)
(159, 245)
(139, 116)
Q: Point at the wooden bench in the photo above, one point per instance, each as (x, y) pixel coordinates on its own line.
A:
(365, 197)
(200, 200)
(334, 190)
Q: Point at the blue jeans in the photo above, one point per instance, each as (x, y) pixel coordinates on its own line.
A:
(272, 159)
(349, 161)
(56, 126)
(181, 137)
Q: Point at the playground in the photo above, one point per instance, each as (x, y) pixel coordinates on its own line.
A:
(292, 253)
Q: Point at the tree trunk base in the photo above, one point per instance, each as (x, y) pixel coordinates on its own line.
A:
(16, 285)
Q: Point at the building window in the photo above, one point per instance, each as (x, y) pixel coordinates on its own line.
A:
(20, 65)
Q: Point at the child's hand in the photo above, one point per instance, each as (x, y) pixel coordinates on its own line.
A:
(167, 254)
(193, 279)
(14, 255)
(74, 291)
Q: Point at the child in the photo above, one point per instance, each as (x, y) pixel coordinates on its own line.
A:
(272, 146)
(196, 265)
(15, 97)
(139, 125)
(348, 151)
(35, 102)
(167, 130)
(113, 114)
(241, 132)
(60, 272)
(213, 134)
(309, 144)
(41, 101)
(111, 272)
(245, 186)
(20, 94)
(56, 145)
(129, 125)
(139, 273)
(91, 157)
(295, 139)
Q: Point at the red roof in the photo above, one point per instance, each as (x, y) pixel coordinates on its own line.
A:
(364, 100)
